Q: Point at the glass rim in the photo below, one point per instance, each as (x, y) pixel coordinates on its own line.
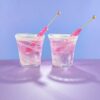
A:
(28, 36)
(60, 36)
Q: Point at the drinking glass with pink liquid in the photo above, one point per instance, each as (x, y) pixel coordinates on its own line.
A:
(30, 49)
(62, 49)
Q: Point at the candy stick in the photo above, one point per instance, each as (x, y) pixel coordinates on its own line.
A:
(77, 32)
(42, 32)
(53, 19)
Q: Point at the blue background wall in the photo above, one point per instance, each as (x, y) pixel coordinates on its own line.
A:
(31, 15)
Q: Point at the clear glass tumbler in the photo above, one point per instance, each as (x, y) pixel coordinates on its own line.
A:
(30, 49)
(62, 49)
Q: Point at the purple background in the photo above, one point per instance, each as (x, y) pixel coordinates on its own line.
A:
(31, 15)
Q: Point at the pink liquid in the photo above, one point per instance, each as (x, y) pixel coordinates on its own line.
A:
(29, 53)
(63, 51)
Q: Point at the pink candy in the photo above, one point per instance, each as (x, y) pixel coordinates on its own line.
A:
(76, 32)
(26, 49)
(42, 32)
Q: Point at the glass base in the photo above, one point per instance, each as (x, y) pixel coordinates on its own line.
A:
(62, 65)
(30, 65)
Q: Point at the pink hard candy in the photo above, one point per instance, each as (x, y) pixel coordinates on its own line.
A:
(76, 32)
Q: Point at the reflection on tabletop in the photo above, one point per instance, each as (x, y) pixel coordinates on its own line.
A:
(83, 71)
(13, 72)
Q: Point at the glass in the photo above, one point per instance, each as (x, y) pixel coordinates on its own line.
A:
(30, 49)
(62, 49)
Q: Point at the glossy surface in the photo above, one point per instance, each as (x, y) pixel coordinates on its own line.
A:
(80, 82)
